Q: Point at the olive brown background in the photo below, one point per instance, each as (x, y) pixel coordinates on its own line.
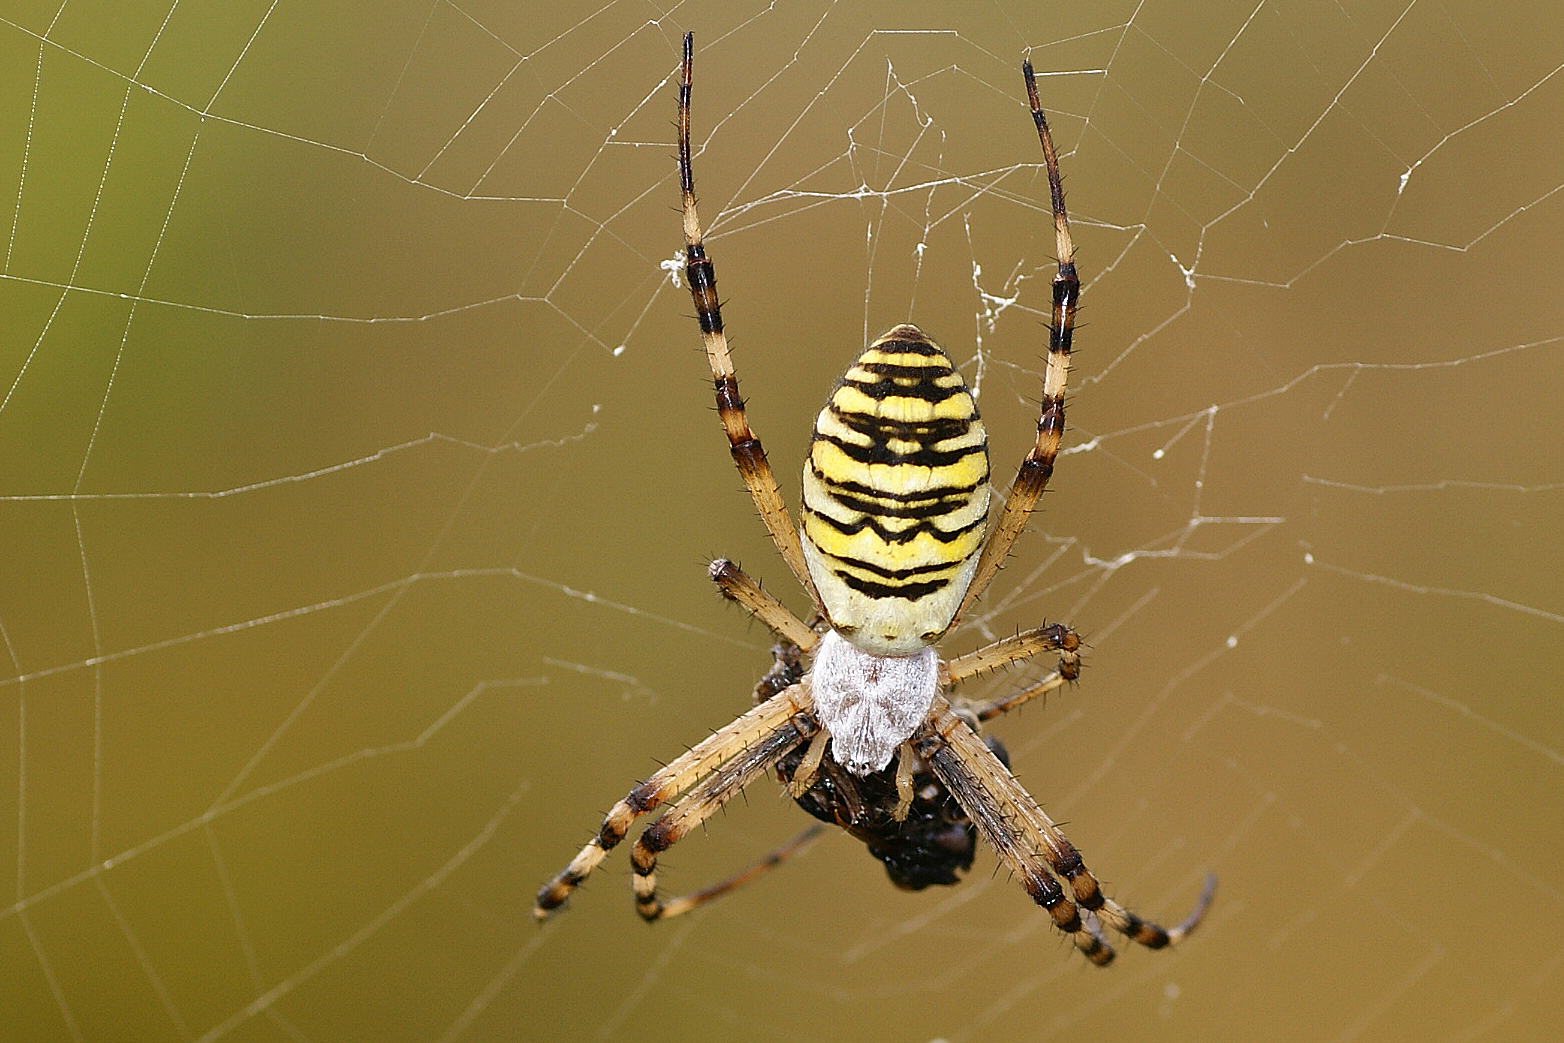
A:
(358, 471)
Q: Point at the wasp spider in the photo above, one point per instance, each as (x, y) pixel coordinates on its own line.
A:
(892, 551)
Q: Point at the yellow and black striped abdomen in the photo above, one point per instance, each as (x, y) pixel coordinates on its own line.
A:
(895, 501)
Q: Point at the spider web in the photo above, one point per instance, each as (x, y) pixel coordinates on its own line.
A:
(357, 470)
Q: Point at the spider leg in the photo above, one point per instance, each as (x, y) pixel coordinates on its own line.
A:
(1031, 844)
(724, 782)
(995, 803)
(1088, 894)
(1055, 637)
(988, 709)
(1066, 863)
(748, 453)
(904, 792)
(809, 767)
(684, 903)
(783, 719)
(743, 591)
(1038, 467)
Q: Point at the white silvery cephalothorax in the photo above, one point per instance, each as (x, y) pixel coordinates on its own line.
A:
(870, 703)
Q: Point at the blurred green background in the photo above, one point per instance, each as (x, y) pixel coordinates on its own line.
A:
(358, 471)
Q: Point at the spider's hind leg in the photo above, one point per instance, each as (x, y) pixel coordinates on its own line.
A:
(748, 454)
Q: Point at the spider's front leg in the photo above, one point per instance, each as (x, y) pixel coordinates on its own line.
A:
(773, 728)
(995, 802)
(1031, 845)
(724, 783)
